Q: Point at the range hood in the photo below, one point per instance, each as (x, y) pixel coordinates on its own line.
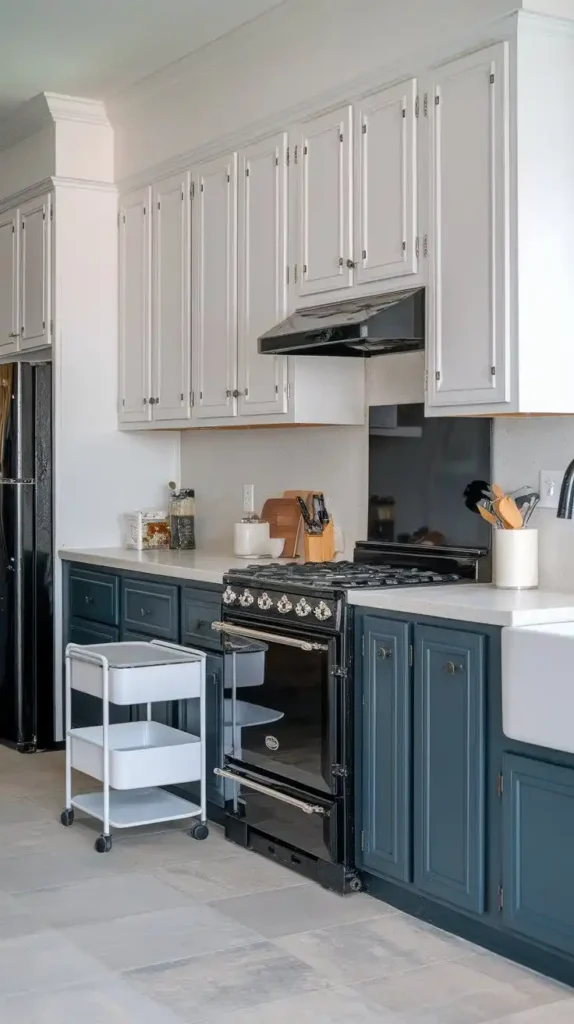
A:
(369, 326)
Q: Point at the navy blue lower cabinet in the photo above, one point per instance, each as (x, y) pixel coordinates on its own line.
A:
(385, 844)
(538, 861)
(449, 766)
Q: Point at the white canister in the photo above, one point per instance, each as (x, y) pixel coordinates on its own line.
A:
(250, 539)
(515, 559)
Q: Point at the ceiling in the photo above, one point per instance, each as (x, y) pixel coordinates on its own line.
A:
(97, 48)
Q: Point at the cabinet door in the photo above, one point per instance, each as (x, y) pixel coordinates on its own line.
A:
(262, 258)
(323, 196)
(214, 275)
(386, 750)
(538, 816)
(386, 186)
(189, 720)
(35, 272)
(449, 766)
(469, 300)
(171, 355)
(9, 319)
(135, 294)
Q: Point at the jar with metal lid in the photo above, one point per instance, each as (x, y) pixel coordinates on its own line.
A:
(181, 513)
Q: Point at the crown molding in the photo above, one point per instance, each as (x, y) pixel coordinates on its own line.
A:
(44, 111)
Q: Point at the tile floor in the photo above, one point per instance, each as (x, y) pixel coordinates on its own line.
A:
(165, 930)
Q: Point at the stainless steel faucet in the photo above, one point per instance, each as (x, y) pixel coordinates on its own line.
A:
(566, 499)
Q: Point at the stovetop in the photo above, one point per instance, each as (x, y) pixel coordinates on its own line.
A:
(339, 575)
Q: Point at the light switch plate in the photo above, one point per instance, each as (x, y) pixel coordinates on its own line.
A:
(248, 498)
(550, 484)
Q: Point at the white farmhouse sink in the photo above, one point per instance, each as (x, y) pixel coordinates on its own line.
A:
(538, 684)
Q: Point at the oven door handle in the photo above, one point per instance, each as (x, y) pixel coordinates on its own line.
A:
(274, 638)
(268, 791)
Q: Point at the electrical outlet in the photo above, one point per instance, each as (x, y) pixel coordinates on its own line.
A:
(550, 484)
(248, 498)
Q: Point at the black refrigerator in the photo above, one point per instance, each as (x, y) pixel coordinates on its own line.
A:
(26, 557)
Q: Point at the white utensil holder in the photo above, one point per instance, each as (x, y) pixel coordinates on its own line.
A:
(515, 559)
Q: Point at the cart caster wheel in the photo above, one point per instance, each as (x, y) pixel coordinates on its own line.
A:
(67, 817)
(199, 830)
(103, 844)
(355, 884)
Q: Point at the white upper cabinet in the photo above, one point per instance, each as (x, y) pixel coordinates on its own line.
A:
(135, 294)
(467, 343)
(262, 263)
(171, 285)
(214, 286)
(385, 191)
(9, 316)
(321, 242)
(35, 272)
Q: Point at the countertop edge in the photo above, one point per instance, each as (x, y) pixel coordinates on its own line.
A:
(190, 573)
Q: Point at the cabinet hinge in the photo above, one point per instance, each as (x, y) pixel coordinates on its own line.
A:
(499, 784)
(295, 153)
(276, 389)
(304, 268)
(364, 128)
(182, 397)
(425, 246)
(411, 655)
(493, 371)
(158, 205)
(437, 101)
(44, 216)
(51, 327)
(228, 178)
(305, 150)
(417, 247)
(426, 380)
(13, 230)
(201, 396)
(492, 79)
(191, 398)
(340, 136)
(417, 107)
(437, 375)
(182, 195)
(43, 325)
(295, 273)
(404, 112)
(426, 105)
(123, 401)
(288, 390)
(339, 771)
(51, 213)
(362, 841)
(246, 173)
(201, 187)
(404, 246)
(363, 645)
(364, 254)
(500, 898)
(192, 190)
(287, 157)
(339, 673)
(144, 213)
(277, 161)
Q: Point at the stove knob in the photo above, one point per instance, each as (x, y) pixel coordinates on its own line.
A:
(246, 599)
(322, 611)
(303, 608)
(265, 602)
(284, 604)
(229, 596)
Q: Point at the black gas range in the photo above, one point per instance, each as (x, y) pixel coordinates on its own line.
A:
(289, 720)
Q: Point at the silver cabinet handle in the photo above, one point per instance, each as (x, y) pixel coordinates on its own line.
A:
(351, 264)
(14, 334)
(283, 797)
(151, 401)
(144, 612)
(384, 652)
(271, 638)
(452, 668)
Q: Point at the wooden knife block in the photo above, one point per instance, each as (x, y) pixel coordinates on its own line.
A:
(320, 547)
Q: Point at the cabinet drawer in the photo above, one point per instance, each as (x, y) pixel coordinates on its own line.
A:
(94, 595)
(199, 608)
(150, 608)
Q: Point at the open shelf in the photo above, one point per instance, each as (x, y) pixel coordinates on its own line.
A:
(130, 808)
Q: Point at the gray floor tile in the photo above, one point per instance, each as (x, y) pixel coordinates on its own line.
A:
(172, 846)
(299, 908)
(372, 949)
(46, 836)
(44, 961)
(557, 1013)
(15, 921)
(514, 974)
(16, 810)
(450, 993)
(333, 1006)
(221, 878)
(211, 986)
(160, 937)
(114, 1003)
(40, 870)
(100, 899)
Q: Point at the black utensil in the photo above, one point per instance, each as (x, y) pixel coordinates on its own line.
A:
(307, 519)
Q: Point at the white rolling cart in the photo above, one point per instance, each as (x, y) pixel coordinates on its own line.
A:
(134, 760)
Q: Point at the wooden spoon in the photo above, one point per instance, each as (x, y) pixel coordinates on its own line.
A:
(486, 514)
(510, 513)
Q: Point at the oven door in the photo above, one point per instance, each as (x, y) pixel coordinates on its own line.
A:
(282, 705)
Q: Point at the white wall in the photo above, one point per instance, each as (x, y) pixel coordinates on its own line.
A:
(281, 60)
(331, 459)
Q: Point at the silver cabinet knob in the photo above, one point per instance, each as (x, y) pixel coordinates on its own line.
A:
(246, 599)
(284, 605)
(229, 596)
(14, 334)
(351, 264)
(452, 668)
(322, 611)
(384, 652)
(303, 608)
(265, 602)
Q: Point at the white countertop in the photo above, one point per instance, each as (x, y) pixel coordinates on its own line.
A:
(465, 602)
(471, 602)
(200, 566)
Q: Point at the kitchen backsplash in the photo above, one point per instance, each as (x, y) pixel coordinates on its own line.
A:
(218, 462)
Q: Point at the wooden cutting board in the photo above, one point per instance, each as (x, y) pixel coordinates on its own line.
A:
(284, 518)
